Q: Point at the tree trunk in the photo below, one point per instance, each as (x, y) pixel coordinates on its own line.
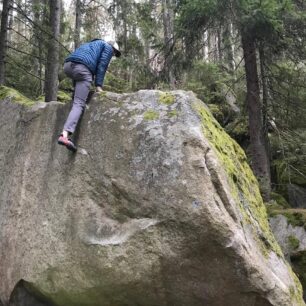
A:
(10, 25)
(205, 48)
(259, 156)
(265, 97)
(264, 88)
(37, 46)
(228, 46)
(219, 43)
(19, 18)
(168, 20)
(213, 45)
(3, 38)
(51, 76)
(78, 23)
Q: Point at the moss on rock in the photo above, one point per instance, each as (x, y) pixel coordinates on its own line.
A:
(293, 242)
(242, 181)
(63, 96)
(14, 96)
(173, 113)
(295, 217)
(166, 98)
(151, 115)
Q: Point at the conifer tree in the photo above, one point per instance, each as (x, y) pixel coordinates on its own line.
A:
(51, 76)
(3, 37)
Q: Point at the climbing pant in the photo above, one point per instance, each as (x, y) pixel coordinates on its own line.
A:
(82, 78)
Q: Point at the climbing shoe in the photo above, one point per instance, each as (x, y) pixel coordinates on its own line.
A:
(67, 142)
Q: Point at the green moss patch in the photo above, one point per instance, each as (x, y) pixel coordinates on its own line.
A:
(151, 115)
(293, 242)
(242, 181)
(173, 113)
(166, 98)
(63, 96)
(14, 96)
(295, 217)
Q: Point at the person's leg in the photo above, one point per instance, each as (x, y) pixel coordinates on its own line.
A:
(82, 78)
(80, 96)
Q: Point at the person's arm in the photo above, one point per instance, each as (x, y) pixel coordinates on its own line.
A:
(103, 64)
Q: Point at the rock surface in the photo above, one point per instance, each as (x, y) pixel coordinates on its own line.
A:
(158, 207)
(292, 240)
(285, 233)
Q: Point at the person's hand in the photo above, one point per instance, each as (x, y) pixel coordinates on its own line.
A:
(99, 89)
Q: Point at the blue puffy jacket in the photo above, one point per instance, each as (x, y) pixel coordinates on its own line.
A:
(95, 55)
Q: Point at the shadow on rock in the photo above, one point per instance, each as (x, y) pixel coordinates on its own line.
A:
(22, 295)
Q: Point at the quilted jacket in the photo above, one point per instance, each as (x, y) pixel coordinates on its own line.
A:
(95, 55)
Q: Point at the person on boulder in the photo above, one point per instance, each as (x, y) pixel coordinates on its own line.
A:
(89, 61)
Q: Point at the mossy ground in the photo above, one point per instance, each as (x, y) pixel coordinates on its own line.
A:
(243, 183)
(14, 96)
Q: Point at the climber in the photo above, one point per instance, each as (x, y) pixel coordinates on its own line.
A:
(86, 62)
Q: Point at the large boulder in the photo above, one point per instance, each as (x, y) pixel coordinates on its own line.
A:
(157, 207)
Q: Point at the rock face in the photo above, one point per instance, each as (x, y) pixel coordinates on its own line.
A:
(158, 207)
(291, 238)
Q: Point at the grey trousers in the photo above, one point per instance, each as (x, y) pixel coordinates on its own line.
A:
(82, 78)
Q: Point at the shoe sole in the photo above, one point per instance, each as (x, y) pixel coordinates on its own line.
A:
(68, 146)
